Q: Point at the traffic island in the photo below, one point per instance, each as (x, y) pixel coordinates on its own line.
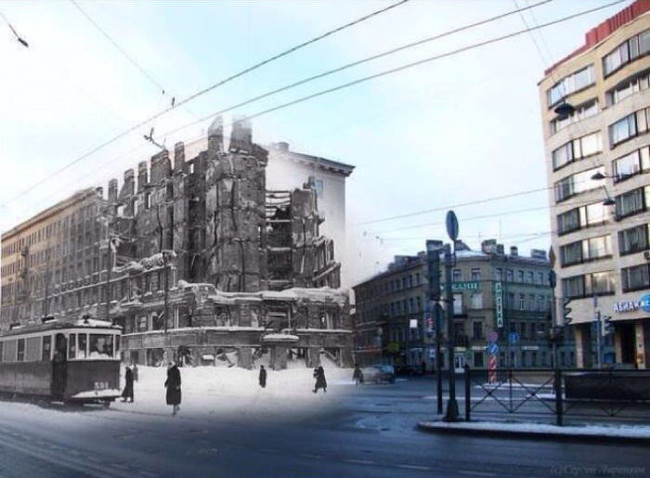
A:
(598, 433)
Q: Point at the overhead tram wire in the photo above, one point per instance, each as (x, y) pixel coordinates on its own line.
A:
(124, 53)
(395, 70)
(206, 90)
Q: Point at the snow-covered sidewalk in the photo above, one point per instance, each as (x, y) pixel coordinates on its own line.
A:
(541, 430)
(226, 391)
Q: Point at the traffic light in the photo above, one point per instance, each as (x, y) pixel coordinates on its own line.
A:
(607, 326)
(566, 310)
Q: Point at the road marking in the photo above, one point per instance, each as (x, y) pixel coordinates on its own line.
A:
(475, 473)
(360, 462)
(310, 455)
(414, 467)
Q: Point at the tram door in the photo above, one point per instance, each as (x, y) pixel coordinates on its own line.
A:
(59, 366)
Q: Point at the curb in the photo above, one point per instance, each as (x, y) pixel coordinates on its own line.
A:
(495, 433)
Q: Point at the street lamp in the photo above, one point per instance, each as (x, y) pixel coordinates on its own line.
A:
(599, 176)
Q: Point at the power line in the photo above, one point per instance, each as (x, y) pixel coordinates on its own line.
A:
(360, 62)
(206, 90)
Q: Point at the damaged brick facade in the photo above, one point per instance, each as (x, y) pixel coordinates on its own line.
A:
(202, 260)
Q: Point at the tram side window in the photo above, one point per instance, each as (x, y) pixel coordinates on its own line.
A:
(32, 349)
(82, 351)
(21, 350)
(72, 346)
(101, 345)
(47, 348)
(9, 351)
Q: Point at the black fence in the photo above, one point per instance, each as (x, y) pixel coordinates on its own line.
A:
(558, 395)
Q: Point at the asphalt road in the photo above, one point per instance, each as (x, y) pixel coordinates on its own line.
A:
(371, 433)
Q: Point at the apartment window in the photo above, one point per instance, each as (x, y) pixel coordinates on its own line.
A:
(577, 149)
(632, 202)
(581, 112)
(476, 274)
(633, 240)
(586, 216)
(458, 304)
(529, 277)
(577, 183)
(585, 250)
(540, 278)
(570, 84)
(628, 51)
(509, 275)
(631, 164)
(522, 301)
(498, 274)
(573, 287)
(627, 88)
(456, 275)
(478, 359)
(477, 300)
(635, 278)
(477, 330)
(520, 276)
(628, 127)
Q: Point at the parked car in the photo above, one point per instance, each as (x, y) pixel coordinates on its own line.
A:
(378, 373)
(408, 370)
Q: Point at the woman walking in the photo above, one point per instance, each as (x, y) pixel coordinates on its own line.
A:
(173, 384)
(262, 377)
(127, 393)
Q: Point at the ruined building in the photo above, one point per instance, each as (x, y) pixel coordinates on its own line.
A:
(194, 257)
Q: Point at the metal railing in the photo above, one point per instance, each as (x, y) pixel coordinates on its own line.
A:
(559, 394)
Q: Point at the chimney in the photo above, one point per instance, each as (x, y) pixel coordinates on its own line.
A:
(514, 251)
(179, 157)
(215, 136)
(241, 136)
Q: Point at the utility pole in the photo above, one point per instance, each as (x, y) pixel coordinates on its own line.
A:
(452, 231)
(433, 264)
(598, 332)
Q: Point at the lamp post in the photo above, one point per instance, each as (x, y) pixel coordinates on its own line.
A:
(452, 231)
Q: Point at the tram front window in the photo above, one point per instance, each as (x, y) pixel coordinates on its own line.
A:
(82, 345)
(101, 345)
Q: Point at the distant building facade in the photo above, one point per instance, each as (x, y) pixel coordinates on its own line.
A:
(393, 320)
(193, 258)
(598, 159)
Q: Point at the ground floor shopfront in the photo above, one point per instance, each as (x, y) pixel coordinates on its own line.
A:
(627, 345)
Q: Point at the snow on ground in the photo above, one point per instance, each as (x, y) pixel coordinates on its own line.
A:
(633, 431)
(226, 390)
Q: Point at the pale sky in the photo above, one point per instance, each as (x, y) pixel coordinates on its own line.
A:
(453, 131)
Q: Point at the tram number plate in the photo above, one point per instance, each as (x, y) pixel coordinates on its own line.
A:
(101, 385)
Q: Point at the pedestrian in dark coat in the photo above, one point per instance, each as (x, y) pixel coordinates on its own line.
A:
(262, 376)
(173, 384)
(357, 376)
(127, 393)
(319, 375)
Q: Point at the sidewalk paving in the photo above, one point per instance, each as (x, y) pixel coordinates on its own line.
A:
(600, 433)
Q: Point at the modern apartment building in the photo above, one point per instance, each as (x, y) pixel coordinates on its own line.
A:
(495, 293)
(596, 123)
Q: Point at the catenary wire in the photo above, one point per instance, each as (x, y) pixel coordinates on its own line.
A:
(204, 91)
(426, 60)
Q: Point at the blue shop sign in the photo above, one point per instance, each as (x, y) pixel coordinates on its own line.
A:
(631, 305)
